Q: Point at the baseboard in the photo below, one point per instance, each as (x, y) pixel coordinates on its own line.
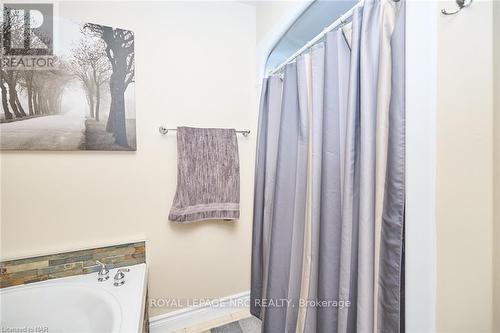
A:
(195, 315)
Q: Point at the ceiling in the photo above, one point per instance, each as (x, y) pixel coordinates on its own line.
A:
(320, 14)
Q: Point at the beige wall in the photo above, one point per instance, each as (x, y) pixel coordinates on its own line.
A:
(273, 19)
(195, 65)
(464, 192)
(269, 14)
(496, 148)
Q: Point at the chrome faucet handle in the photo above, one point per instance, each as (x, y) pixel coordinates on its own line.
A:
(103, 274)
(120, 277)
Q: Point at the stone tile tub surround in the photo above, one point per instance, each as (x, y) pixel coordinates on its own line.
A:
(28, 270)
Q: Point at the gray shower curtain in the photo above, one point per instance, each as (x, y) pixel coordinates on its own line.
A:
(329, 183)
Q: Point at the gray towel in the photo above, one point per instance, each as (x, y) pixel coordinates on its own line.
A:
(208, 175)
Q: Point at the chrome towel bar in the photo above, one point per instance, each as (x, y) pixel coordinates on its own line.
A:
(164, 130)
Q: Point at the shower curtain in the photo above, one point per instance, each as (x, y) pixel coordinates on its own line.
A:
(327, 247)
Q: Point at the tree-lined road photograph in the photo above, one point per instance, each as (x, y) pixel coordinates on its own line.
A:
(85, 101)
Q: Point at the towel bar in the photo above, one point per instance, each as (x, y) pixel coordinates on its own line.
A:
(164, 130)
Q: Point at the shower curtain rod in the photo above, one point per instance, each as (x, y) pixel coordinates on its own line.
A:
(316, 39)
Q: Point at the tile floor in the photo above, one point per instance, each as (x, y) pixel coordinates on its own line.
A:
(246, 325)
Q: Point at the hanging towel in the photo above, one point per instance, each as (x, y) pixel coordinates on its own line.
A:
(208, 175)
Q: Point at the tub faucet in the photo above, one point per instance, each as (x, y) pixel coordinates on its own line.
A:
(120, 277)
(103, 274)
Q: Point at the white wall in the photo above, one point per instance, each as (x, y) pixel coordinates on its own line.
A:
(464, 191)
(195, 65)
(420, 223)
(496, 149)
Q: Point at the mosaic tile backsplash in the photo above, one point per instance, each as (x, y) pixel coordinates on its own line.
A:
(28, 270)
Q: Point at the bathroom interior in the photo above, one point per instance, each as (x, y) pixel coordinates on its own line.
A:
(250, 166)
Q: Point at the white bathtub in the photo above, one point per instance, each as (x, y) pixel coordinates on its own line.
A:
(76, 304)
